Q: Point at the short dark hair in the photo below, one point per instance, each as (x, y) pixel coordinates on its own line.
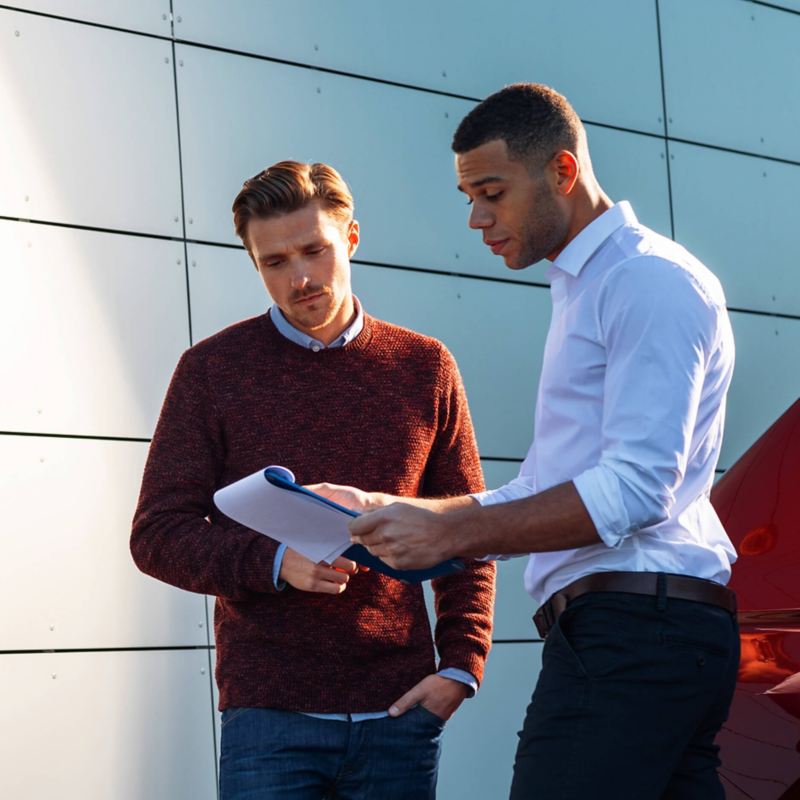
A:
(289, 186)
(533, 120)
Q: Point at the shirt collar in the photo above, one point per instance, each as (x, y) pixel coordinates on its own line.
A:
(575, 255)
(304, 340)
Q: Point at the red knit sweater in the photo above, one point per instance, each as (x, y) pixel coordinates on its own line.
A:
(386, 412)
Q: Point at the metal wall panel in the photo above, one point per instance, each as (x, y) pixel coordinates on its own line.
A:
(496, 332)
(391, 144)
(224, 288)
(68, 505)
(611, 73)
(633, 167)
(148, 16)
(127, 725)
(481, 738)
(90, 139)
(93, 324)
(766, 380)
(751, 240)
(739, 86)
(476, 319)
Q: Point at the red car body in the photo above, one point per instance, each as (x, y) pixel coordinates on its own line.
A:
(758, 501)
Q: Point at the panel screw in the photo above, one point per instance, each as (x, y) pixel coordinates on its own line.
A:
(16, 33)
(202, 672)
(180, 63)
(164, 16)
(444, 74)
(316, 47)
(27, 198)
(456, 255)
(52, 627)
(41, 461)
(53, 676)
(662, 155)
(178, 261)
(670, 120)
(672, 156)
(762, 140)
(38, 410)
(190, 220)
(199, 624)
(180, 19)
(175, 218)
(659, 119)
(447, 115)
(319, 91)
(166, 61)
(764, 174)
(194, 264)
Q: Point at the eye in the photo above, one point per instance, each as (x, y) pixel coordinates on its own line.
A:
(492, 197)
(315, 251)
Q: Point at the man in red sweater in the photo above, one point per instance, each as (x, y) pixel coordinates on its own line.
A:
(327, 674)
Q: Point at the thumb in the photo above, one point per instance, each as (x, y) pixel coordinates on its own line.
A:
(408, 700)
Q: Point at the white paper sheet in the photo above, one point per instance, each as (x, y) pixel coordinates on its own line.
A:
(313, 529)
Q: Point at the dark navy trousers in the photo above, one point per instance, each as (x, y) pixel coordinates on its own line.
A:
(632, 692)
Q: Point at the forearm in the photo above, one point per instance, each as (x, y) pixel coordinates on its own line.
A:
(555, 519)
(191, 553)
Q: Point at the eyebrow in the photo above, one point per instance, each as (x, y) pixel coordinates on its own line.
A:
(480, 182)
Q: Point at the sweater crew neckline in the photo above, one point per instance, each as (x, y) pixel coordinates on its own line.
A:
(360, 343)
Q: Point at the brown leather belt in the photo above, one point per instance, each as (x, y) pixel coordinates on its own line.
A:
(680, 587)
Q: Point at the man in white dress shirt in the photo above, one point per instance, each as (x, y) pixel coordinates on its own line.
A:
(628, 558)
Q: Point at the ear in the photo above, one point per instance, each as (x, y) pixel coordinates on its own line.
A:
(566, 171)
(353, 238)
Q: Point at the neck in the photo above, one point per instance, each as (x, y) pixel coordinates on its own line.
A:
(590, 203)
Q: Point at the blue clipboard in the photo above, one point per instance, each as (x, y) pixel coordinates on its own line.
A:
(359, 553)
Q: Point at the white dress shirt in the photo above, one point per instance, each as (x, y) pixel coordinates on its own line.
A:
(631, 405)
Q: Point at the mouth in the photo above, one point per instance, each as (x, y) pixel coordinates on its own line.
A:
(308, 299)
(496, 245)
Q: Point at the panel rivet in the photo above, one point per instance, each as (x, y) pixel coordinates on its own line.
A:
(16, 33)
(53, 676)
(202, 672)
(175, 218)
(166, 61)
(164, 17)
(194, 263)
(190, 220)
(27, 198)
(319, 91)
(764, 174)
(447, 115)
(178, 261)
(199, 624)
(180, 19)
(457, 255)
(180, 63)
(52, 627)
(444, 74)
(316, 47)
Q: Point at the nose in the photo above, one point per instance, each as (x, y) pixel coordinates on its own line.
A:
(480, 217)
(299, 276)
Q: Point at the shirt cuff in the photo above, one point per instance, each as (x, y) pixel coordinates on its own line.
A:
(600, 492)
(515, 490)
(276, 569)
(462, 676)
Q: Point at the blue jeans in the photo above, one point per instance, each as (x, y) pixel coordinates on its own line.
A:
(632, 692)
(282, 755)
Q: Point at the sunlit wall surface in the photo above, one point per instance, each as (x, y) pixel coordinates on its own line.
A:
(126, 129)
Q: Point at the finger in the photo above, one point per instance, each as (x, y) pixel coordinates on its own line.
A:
(408, 700)
(366, 523)
(345, 565)
(325, 573)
